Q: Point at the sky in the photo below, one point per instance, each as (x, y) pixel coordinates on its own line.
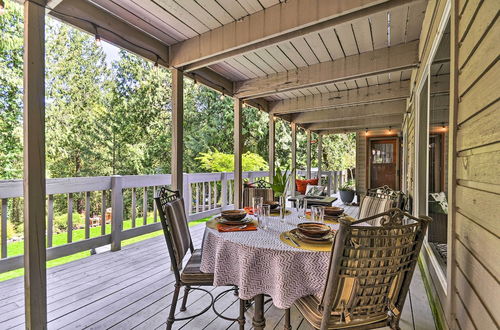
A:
(111, 52)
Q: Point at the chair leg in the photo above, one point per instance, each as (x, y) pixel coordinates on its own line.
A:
(241, 318)
(288, 326)
(185, 298)
(171, 316)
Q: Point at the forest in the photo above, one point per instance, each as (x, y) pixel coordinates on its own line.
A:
(106, 117)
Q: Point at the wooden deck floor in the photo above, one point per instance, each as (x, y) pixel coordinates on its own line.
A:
(132, 289)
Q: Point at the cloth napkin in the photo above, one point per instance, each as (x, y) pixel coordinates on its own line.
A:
(249, 210)
(227, 228)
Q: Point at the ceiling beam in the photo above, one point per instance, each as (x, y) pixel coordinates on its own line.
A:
(379, 61)
(125, 36)
(398, 90)
(372, 111)
(366, 122)
(284, 21)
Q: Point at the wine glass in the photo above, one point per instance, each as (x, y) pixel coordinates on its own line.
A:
(318, 213)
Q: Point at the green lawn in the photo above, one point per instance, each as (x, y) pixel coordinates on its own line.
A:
(17, 248)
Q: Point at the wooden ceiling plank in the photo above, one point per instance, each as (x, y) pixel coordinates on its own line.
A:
(372, 81)
(366, 95)
(182, 14)
(149, 47)
(347, 40)
(241, 68)
(199, 12)
(140, 21)
(278, 54)
(318, 47)
(361, 82)
(398, 25)
(227, 72)
(351, 84)
(156, 11)
(243, 60)
(234, 8)
(269, 59)
(292, 54)
(332, 44)
(378, 23)
(362, 33)
(260, 63)
(393, 120)
(379, 61)
(251, 6)
(269, 3)
(383, 78)
(216, 11)
(305, 51)
(353, 112)
(416, 14)
(297, 18)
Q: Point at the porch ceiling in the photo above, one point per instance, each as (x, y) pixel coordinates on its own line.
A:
(341, 60)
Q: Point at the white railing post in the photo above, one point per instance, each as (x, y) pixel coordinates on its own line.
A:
(116, 211)
(186, 193)
(335, 182)
(329, 183)
(224, 191)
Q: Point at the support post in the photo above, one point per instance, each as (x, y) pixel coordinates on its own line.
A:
(308, 155)
(320, 156)
(272, 148)
(294, 158)
(186, 195)
(177, 129)
(116, 212)
(238, 148)
(223, 192)
(35, 275)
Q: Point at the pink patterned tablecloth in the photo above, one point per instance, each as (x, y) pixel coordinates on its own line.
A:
(258, 262)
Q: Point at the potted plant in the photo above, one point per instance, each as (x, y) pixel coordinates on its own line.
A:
(347, 192)
(281, 181)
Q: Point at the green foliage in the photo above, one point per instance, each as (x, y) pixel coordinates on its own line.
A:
(339, 151)
(281, 181)
(61, 222)
(215, 161)
(348, 186)
(11, 82)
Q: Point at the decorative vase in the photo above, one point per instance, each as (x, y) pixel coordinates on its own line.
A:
(346, 196)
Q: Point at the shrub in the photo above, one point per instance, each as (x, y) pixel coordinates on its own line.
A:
(61, 221)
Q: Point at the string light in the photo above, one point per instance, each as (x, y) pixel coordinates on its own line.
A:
(366, 131)
(156, 63)
(2, 7)
(222, 96)
(97, 40)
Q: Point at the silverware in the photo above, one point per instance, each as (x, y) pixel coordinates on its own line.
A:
(292, 240)
(242, 227)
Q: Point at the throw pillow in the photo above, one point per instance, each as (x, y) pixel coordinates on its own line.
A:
(301, 185)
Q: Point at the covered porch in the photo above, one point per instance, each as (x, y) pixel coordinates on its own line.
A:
(326, 67)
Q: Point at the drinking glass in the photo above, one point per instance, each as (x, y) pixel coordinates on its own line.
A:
(265, 213)
(257, 206)
(318, 213)
(282, 209)
(302, 208)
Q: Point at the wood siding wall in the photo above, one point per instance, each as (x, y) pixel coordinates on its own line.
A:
(477, 195)
(474, 271)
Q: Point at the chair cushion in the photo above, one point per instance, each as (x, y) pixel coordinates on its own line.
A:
(301, 185)
(309, 308)
(192, 273)
(374, 205)
(180, 230)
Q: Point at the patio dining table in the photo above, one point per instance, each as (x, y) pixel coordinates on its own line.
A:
(259, 263)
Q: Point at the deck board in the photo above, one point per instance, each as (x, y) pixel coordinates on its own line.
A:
(133, 288)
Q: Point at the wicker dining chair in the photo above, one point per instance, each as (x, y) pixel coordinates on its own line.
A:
(369, 274)
(378, 200)
(170, 206)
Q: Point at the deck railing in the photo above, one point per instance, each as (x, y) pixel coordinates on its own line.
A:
(122, 199)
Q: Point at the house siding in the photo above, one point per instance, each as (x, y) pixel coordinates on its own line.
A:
(473, 276)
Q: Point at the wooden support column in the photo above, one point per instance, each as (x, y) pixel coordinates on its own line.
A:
(177, 129)
(35, 276)
(294, 158)
(272, 147)
(320, 156)
(308, 155)
(238, 149)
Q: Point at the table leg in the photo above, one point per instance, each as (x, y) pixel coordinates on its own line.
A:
(259, 321)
